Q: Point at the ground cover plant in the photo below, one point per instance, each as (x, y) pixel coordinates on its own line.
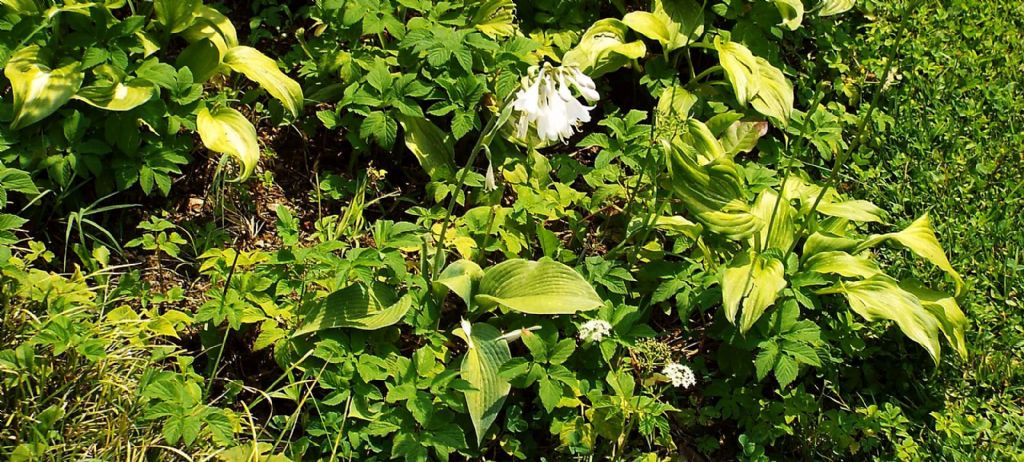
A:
(497, 230)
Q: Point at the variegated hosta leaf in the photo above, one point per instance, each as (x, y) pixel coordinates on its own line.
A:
(843, 264)
(462, 278)
(756, 81)
(118, 96)
(742, 136)
(880, 297)
(755, 280)
(820, 242)
(783, 229)
(673, 23)
(833, 7)
(486, 354)
(22, 6)
(792, 12)
(713, 192)
(211, 24)
(264, 71)
(38, 89)
(699, 137)
(432, 148)
(855, 210)
(175, 15)
(495, 18)
(604, 49)
(227, 131)
(741, 69)
(359, 306)
(944, 307)
(536, 287)
(920, 239)
(676, 101)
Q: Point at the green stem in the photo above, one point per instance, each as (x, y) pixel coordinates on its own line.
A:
(224, 340)
(704, 74)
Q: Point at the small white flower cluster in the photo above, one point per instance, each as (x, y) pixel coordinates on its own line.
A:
(546, 102)
(595, 330)
(679, 375)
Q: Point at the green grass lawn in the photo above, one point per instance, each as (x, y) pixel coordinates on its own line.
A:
(954, 149)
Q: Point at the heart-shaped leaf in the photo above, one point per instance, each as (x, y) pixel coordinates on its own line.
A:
(536, 287)
(227, 131)
(264, 71)
(359, 306)
(38, 89)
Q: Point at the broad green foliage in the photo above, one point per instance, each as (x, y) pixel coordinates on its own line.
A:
(485, 355)
(264, 71)
(536, 287)
(357, 306)
(227, 131)
(38, 89)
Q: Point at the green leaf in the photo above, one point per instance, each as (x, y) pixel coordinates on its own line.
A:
(461, 277)
(38, 89)
(202, 58)
(175, 15)
(119, 96)
(432, 148)
(536, 287)
(774, 97)
(833, 7)
(802, 352)
(604, 49)
(382, 128)
(227, 131)
(843, 264)
(359, 306)
(264, 71)
(756, 281)
(742, 136)
(881, 298)
(920, 239)
(783, 232)
(946, 310)
(486, 354)
(786, 369)
(792, 12)
(674, 23)
(22, 6)
(855, 210)
(765, 360)
(550, 393)
(741, 67)
(211, 24)
(495, 18)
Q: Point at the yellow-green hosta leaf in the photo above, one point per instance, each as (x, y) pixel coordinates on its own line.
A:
(211, 24)
(38, 89)
(604, 49)
(227, 131)
(783, 230)
(833, 7)
(119, 96)
(536, 287)
(740, 67)
(676, 101)
(22, 6)
(742, 136)
(264, 71)
(774, 96)
(699, 137)
(823, 242)
(843, 264)
(855, 210)
(920, 239)
(432, 147)
(495, 18)
(486, 354)
(881, 298)
(203, 58)
(713, 192)
(359, 306)
(674, 24)
(756, 281)
(792, 12)
(945, 308)
(175, 15)
(460, 277)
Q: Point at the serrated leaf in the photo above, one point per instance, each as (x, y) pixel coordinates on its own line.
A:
(920, 238)
(430, 145)
(119, 96)
(765, 360)
(227, 131)
(461, 277)
(264, 71)
(484, 358)
(536, 287)
(359, 306)
(37, 88)
(802, 352)
(786, 370)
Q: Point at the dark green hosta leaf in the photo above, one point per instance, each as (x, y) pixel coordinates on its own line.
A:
(882, 298)
(604, 49)
(432, 148)
(39, 90)
(713, 192)
(486, 354)
(756, 281)
(359, 306)
(536, 287)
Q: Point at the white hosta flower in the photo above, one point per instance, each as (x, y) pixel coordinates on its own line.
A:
(679, 375)
(468, 329)
(595, 330)
(546, 103)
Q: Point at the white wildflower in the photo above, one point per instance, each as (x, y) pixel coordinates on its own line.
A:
(595, 330)
(679, 375)
(546, 102)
